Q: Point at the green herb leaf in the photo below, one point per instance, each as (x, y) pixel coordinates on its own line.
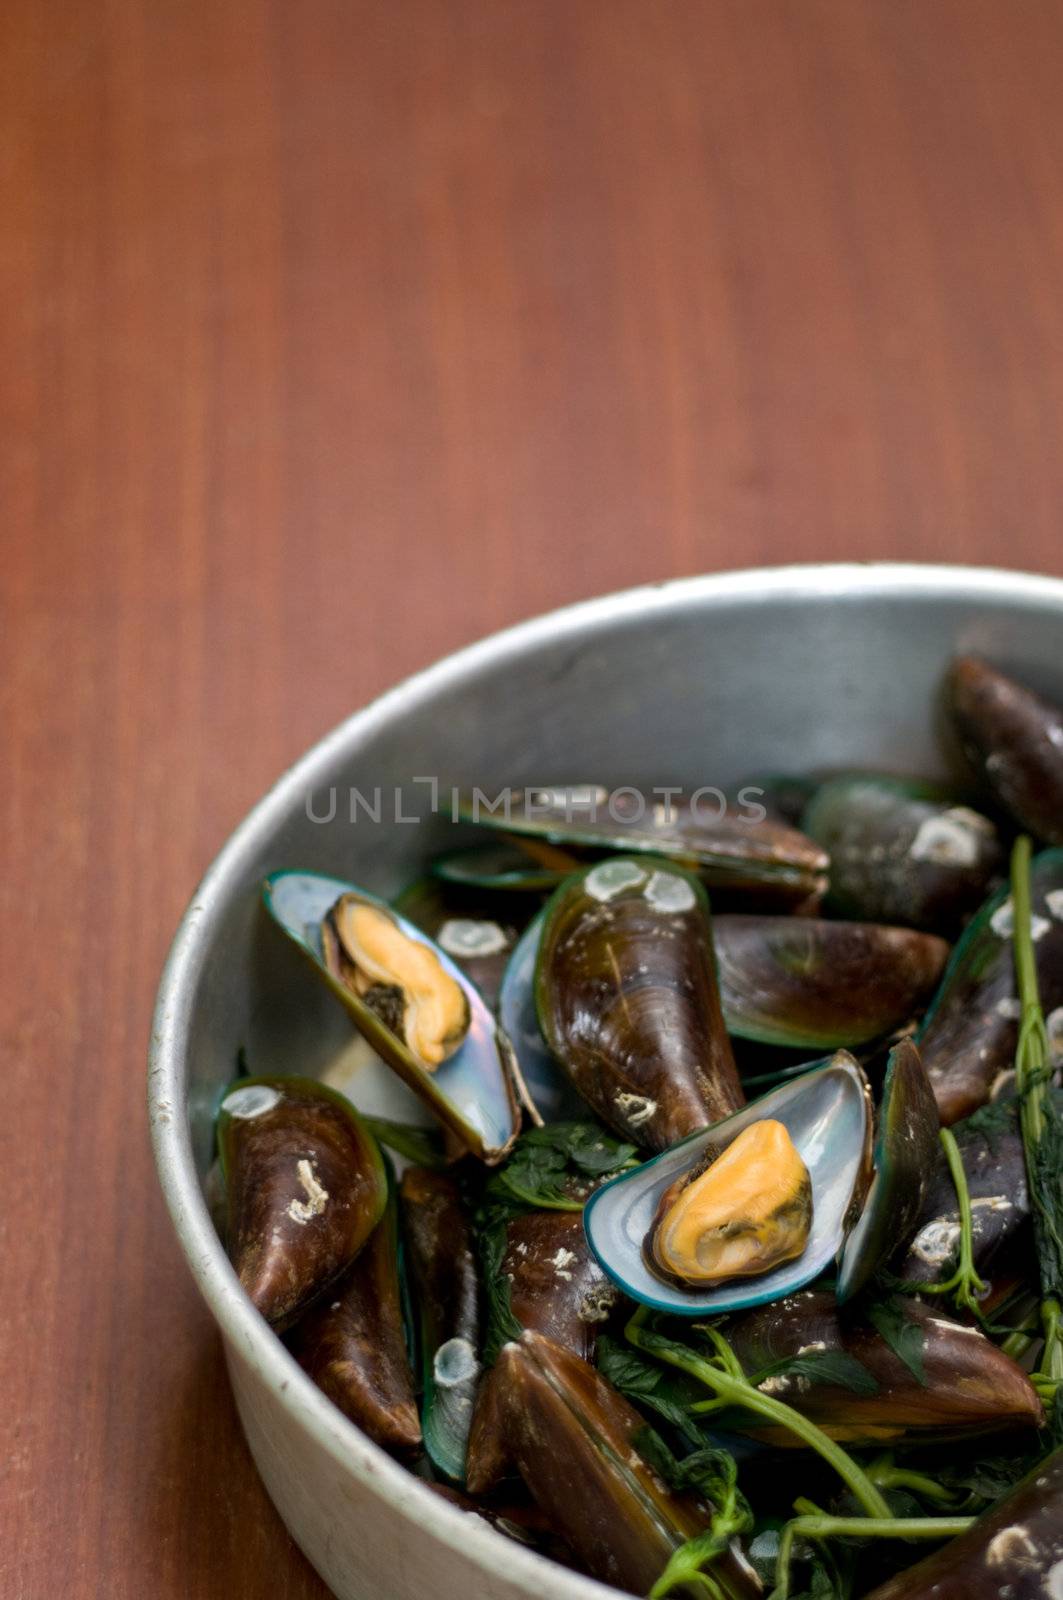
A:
(653, 1387)
(556, 1167)
(904, 1337)
(502, 1325)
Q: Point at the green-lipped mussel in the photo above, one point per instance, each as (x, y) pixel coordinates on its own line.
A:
(658, 1331)
(628, 1004)
(901, 855)
(1014, 739)
(305, 1188)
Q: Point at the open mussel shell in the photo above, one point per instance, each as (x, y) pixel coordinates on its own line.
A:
(573, 1439)
(826, 1112)
(476, 1091)
(816, 985)
(627, 1001)
(547, 1085)
(970, 1033)
(305, 1187)
(902, 857)
(905, 1159)
(1014, 1551)
(729, 845)
(1014, 739)
(966, 1384)
(477, 928)
(352, 1343)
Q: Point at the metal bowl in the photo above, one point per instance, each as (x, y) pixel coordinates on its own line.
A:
(699, 682)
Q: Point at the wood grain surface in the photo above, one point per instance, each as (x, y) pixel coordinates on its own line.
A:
(334, 335)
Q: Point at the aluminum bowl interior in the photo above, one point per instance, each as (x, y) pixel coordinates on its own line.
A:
(697, 682)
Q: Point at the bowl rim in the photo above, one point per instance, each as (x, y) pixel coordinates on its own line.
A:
(241, 1325)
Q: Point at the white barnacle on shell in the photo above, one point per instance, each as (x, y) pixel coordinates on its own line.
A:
(301, 1211)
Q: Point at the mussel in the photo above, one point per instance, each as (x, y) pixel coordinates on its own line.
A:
(730, 845)
(305, 1188)
(627, 1000)
(817, 985)
(477, 928)
(552, 1090)
(738, 1213)
(473, 1085)
(442, 1263)
(970, 1033)
(1014, 1551)
(398, 978)
(991, 1152)
(900, 854)
(906, 1154)
(555, 1285)
(826, 1115)
(353, 1344)
(966, 1385)
(1014, 738)
(573, 1439)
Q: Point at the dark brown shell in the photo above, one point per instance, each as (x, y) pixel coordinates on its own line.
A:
(627, 1001)
(353, 1345)
(571, 1436)
(815, 985)
(1014, 738)
(305, 1188)
(971, 1386)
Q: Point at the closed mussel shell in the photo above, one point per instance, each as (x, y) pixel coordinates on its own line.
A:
(1014, 739)
(970, 1034)
(811, 984)
(572, 1438)
(353, 1344)
(627, 1000)
(991, 1152)
(898, 856)
(967, 1385)
(305, 1187)
(730, 845)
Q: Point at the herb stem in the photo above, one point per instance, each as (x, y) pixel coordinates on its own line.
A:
(821, 1526)
(964, 1285)
(737, 1390)
(883, 1473)
(1032, 1072)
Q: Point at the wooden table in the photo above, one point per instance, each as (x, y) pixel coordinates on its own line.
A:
(336, 335)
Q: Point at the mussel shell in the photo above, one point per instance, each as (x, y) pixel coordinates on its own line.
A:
(1014, 1551)
(501, 868)
(548, 1086)
(305, 1186)
(971, 1385)
(556, 1286)
(353, 1345)
(994, 1166)
(906, 1155)
(827, 1114)
(627, 1000)
(815, 985)
(572, 1438)
(442, 1264)
(1014, 739)
(899, 857)
(732, 847)
(970, 1033)
(477, 1091)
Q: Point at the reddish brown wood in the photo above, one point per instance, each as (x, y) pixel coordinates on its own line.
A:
(334, 336)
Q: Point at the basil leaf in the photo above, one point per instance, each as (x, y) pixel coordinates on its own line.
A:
(904, 1337)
